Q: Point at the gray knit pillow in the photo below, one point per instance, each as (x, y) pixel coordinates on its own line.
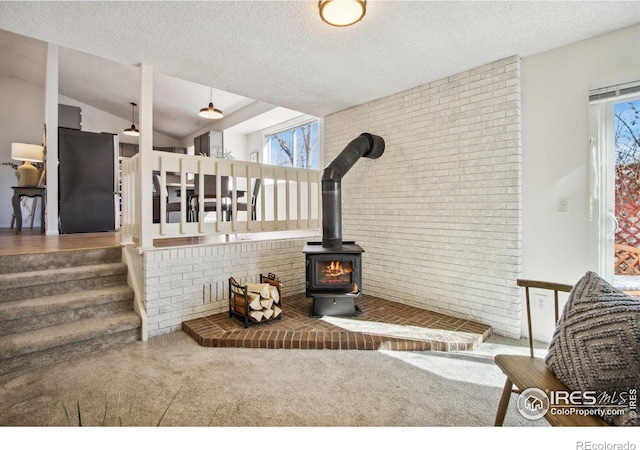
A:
(596, 344)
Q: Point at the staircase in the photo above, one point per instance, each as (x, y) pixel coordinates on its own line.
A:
(55, 306)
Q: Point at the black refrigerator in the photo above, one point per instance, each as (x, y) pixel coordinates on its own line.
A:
(86, 181)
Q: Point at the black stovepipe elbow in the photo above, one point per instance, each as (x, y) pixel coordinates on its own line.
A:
(366, 145)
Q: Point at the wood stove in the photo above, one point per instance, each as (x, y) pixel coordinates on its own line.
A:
(334, 266)
(334, 277)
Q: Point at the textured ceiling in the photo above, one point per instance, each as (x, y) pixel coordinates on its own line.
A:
(281, 53)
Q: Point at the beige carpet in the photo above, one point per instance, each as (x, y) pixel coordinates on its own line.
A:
(235, 396)
(259, 387)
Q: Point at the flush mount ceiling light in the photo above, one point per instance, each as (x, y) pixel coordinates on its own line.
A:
(132, 131)
(210, 112)
(342, 13)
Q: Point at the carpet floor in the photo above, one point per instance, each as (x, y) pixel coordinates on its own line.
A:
(228, 387)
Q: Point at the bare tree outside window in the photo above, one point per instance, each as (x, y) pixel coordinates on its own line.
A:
(626, 128)
(295, 147)
(627, 132)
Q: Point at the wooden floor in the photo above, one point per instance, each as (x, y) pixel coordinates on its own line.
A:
(32, 241)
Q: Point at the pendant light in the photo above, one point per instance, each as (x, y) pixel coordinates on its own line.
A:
(342, 13)
(210, 112)
(132, 131)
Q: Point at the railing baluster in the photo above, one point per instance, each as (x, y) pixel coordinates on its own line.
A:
(287, 203)
(183, 197)
(218, 197)
(162, 197)
(263, 211)
(298, 199)
(200, 195)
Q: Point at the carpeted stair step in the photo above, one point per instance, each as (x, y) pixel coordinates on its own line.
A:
(62, 342)
(58, 260)
(34, 313)
(40, 283)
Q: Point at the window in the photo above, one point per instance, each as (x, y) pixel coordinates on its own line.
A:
(296, 146)
(626, 136)
(614, 166)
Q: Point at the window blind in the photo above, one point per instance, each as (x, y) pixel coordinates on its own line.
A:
(618, 90)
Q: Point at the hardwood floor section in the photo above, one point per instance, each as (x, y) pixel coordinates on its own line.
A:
(32, 241)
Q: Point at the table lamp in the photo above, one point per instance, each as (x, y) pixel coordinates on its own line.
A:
(28, 174)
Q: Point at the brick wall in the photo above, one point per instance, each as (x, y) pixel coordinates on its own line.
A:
(185, 283)
(439, 213)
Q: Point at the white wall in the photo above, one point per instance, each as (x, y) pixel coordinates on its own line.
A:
(236, 143)
(555, 88)
(22, 120)
(255, 143)
(98, 121)
(438, 214)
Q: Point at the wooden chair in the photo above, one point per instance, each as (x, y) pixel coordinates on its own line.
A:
(210, 198)
(526, 372)
(243, 206)
(171, 206)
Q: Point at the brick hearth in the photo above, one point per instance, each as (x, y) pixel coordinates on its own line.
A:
(383, 325)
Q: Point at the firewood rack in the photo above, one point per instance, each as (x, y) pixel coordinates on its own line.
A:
(241, 299)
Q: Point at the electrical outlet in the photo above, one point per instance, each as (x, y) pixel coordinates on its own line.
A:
(563, 205)
(539, 300)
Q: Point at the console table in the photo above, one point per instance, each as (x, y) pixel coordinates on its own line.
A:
(18, 193)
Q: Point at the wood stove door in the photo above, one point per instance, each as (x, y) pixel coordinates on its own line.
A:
(333, 273)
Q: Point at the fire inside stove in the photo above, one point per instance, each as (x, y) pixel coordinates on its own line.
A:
(336, 272)
(333, 271)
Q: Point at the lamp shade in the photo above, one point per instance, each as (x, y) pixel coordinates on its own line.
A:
(342, 13)
(210, 112)
(27, 152)
(132, 131)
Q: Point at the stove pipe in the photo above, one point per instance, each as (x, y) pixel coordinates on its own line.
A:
(366, 145)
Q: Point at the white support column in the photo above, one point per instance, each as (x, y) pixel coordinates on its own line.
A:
(51, 122)
(144, 193)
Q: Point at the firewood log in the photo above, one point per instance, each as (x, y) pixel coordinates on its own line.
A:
(237, 304)
(267, 313)
(259, 288)
(256, 315)
(254, 301)
(274, 294)
(266, 304)
(276, 311)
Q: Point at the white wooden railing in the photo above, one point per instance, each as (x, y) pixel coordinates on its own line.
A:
(289, 198)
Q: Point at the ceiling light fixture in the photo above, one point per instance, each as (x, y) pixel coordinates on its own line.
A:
(132, 131)
(342, 13)
(210, 112)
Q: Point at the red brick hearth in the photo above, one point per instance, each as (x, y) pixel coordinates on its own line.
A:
(382, 325)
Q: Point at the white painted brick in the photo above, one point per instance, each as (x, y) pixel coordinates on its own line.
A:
(439, 213)
(193, 282)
